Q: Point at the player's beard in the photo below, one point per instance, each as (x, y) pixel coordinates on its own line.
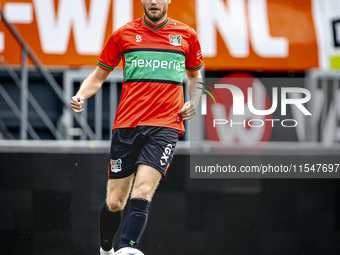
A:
(155, 17)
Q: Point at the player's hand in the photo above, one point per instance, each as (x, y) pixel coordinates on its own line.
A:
(188, 110)
(77, 103)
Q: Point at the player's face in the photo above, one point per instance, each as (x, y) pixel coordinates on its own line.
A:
(155, 10)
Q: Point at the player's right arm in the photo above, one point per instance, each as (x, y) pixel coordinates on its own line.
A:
(89, 87)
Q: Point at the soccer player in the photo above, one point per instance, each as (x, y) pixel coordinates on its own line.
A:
(156, 51)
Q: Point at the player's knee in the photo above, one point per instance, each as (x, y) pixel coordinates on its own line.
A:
(143, 191)
(115, 204)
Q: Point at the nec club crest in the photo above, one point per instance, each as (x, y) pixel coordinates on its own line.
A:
(116, 165)
(175, 40)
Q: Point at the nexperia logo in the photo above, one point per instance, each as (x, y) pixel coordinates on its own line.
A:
(155, 64)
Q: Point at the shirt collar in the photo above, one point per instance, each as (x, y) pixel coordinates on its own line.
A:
(153, 27)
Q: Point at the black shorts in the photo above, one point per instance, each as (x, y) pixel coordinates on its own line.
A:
(153, 146)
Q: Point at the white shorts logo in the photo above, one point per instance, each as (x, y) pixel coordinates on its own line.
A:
(116, 165)
(166, 155)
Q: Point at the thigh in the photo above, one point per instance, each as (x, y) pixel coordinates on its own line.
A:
(146, 182)
(125, 148)
(118, 191)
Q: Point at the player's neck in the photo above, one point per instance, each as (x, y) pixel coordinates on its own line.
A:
(156, 23)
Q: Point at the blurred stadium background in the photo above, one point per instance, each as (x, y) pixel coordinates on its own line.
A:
(53, 162)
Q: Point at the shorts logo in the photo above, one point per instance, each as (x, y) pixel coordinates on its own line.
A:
(116, 165)
(166, 155)
(138, 38)
(175, 40)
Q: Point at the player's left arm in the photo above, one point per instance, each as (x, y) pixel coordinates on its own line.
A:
(189, 109)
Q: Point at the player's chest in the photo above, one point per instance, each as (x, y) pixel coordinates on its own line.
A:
(169, 40)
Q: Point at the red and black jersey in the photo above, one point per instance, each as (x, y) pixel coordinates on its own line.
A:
(154, 62)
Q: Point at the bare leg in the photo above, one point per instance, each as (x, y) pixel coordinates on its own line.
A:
(117, 192)
(146, 182)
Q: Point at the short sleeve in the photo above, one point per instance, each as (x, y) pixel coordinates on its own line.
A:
(111, 55)
(194, 59)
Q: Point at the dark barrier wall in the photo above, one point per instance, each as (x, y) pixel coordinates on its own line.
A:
(49, 204)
